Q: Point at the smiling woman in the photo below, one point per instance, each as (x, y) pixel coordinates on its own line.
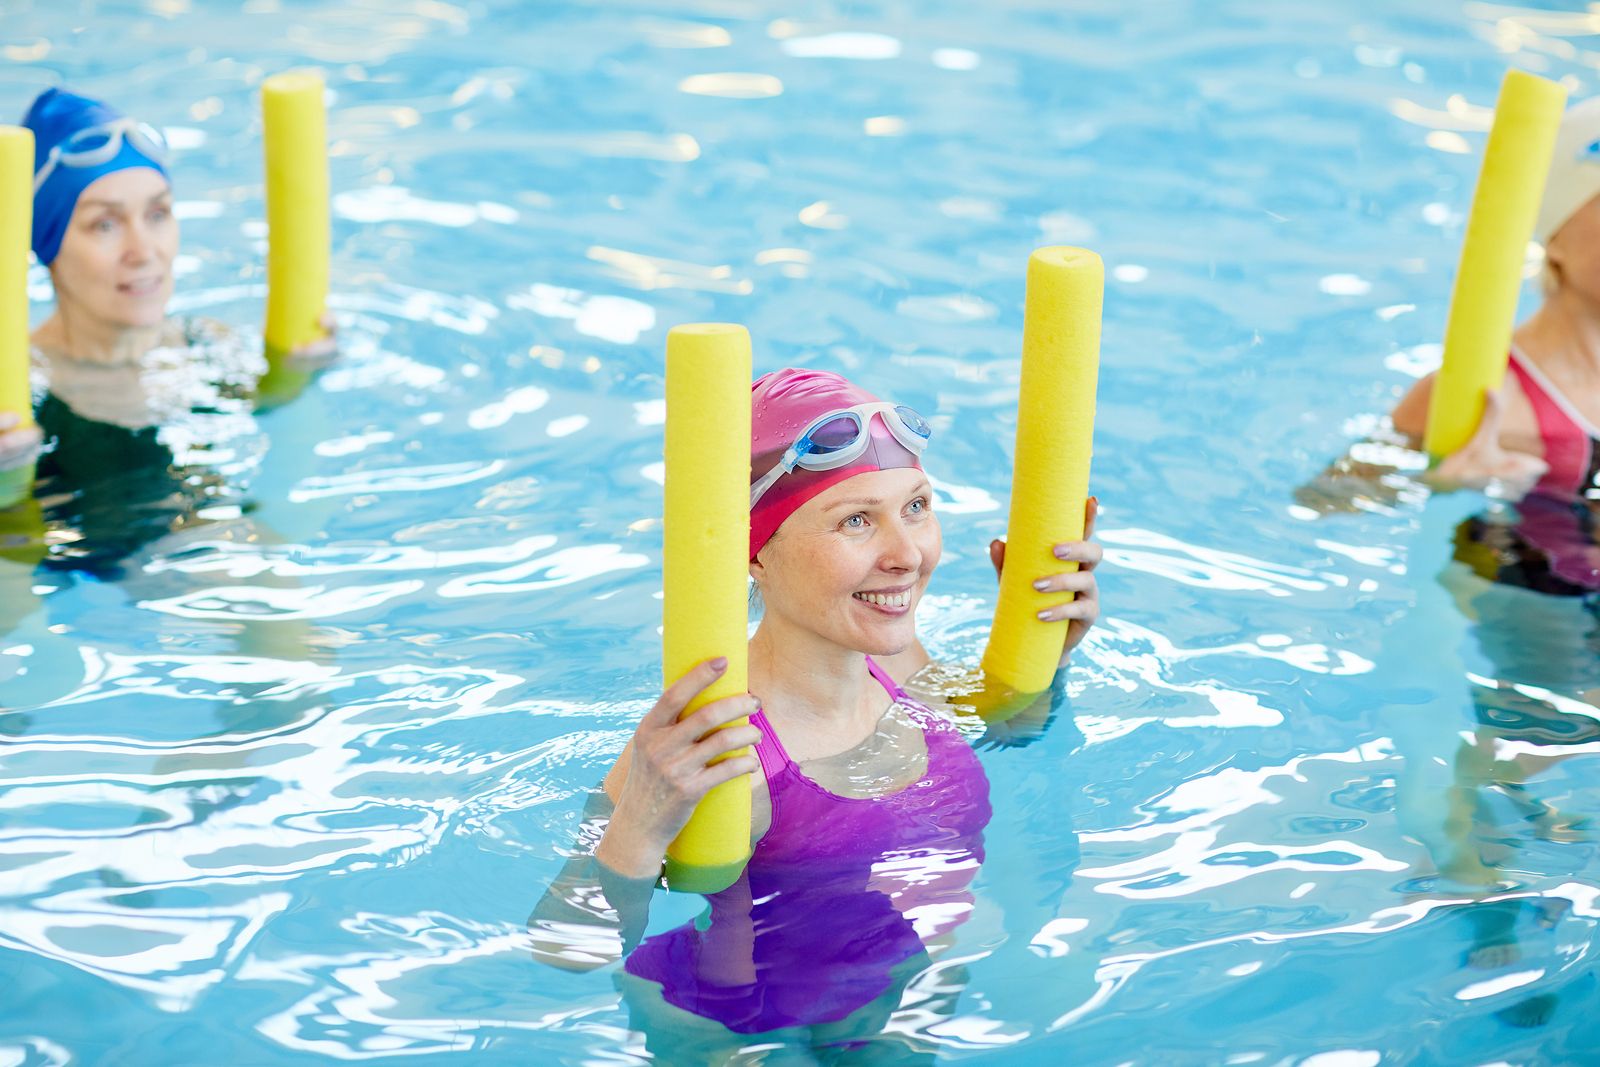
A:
(868, 805)
(131, 401)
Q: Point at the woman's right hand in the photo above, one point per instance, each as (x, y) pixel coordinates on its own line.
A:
(17, 446)
(671, 766)
(1483, 461)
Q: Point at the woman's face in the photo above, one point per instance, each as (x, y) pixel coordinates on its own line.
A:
(115, 262)
(1574, 252)
(852, 563)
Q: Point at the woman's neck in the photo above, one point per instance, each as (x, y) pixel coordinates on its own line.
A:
(70, 335)
(812, 681)
(1564, 332)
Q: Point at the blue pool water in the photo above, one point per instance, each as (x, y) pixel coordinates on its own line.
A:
(285, 785)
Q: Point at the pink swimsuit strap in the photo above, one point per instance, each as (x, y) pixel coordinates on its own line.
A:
(1570, 442)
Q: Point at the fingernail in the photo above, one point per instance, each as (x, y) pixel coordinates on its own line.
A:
(1063, 552)
(1042, 584)
(1044, 616)
(719, 664)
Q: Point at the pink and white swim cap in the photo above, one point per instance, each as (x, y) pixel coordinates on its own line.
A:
(782, 405)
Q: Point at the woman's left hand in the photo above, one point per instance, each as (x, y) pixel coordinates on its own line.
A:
(1084, 608)
(324, 348)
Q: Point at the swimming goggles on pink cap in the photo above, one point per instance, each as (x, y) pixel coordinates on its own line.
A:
(837, 438)
(94, 145)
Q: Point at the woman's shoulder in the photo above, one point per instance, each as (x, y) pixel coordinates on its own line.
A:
(1410, 415)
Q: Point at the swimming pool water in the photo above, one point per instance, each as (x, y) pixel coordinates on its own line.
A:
(286, 786)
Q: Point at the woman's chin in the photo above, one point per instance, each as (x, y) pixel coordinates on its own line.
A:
(890, 639)
(145, 317)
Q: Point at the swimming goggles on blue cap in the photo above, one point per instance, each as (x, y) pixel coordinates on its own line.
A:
(94, 145)
(837, 438)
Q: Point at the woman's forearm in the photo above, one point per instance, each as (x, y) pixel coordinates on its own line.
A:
(593, 913)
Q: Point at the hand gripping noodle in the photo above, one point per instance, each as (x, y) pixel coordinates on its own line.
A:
(1050, 472)
(16, 228)
(294, 131)
(705, 569)
(1483, 306)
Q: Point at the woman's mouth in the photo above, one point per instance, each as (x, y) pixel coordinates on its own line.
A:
(892, 602)
(142, 286)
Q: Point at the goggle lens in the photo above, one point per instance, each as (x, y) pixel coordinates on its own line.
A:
(913, 422)
(831, 436)
(90, 140)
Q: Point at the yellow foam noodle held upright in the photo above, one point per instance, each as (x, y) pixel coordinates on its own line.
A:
(299, 235)
(705, 568)
(16, 229)
(1483, 305)
(1050, 471)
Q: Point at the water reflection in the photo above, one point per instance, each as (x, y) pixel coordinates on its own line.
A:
(839, 936)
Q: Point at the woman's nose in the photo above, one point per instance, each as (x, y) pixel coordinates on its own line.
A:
(900, 551)
(139, 244)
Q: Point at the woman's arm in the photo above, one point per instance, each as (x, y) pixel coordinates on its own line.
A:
(591, 915)
(596, 909)
(1385, 469)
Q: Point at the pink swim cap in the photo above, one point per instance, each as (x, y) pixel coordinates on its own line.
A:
(784, 403)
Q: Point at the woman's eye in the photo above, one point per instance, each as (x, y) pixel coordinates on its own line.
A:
(918, 506)
(160, 214)
(857, 521)
(105, 225)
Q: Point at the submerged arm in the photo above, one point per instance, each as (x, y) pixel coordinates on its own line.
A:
(591, 915)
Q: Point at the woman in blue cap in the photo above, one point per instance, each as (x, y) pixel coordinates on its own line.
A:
(137, 406)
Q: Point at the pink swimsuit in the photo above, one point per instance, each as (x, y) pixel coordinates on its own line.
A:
(1553, 547)
(1571, 443)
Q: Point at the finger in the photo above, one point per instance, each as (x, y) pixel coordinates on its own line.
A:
(717, 714)
(1085, 608)
(720, 742)
(1080, 581)
(997, 554)
(329, 324)
(8, 419)
(1091, 512)
(1086, 554)
(678, 695)
(726, 771)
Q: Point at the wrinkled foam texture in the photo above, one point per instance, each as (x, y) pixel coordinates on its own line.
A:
(785, 402)
(54, 116)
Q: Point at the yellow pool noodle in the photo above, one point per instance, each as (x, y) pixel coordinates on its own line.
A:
(705, 568)
(299, 241)
(16, 237)
(1483, 305)
(1050, 471)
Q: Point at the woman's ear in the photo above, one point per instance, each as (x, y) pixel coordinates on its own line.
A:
(1554, 254)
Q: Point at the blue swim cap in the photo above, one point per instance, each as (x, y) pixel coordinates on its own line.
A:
(54, 116)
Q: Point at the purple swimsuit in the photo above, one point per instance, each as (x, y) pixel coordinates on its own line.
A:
(838, 892)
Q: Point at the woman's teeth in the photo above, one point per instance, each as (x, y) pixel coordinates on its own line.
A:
(886, 600)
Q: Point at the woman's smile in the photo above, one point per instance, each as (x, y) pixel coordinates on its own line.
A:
(894, 601)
